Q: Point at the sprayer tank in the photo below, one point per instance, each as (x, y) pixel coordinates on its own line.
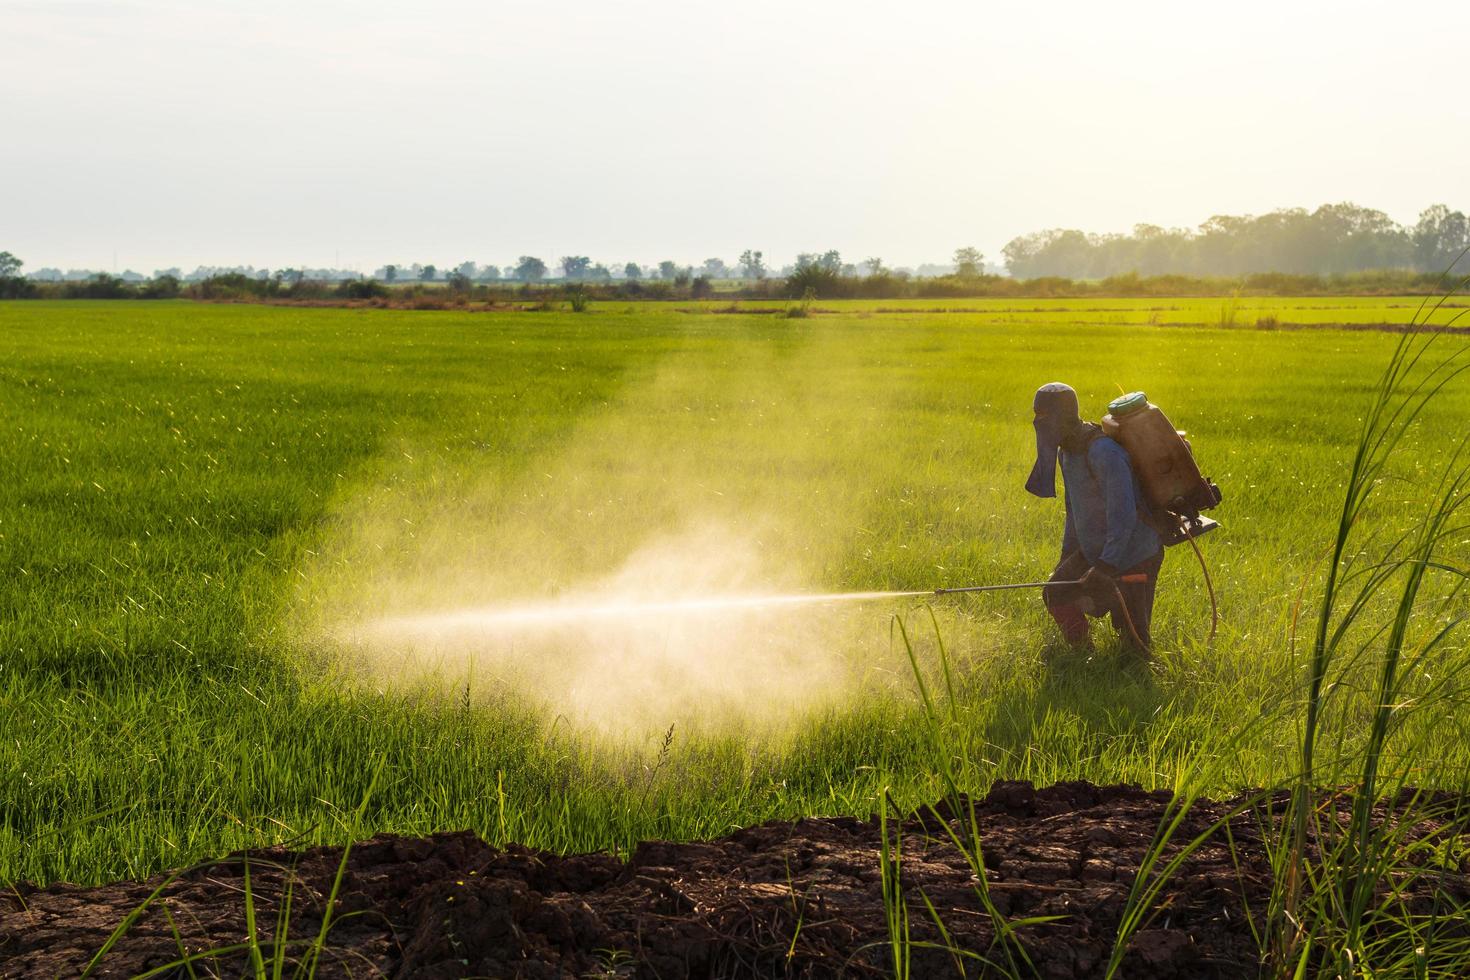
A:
(1165, 465)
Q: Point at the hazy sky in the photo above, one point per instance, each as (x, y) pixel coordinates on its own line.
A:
(354, 132)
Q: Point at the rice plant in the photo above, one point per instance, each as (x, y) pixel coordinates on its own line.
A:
(1387, 645)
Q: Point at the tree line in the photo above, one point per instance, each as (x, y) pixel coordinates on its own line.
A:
(1335, 239)
(750, 267)
(1336, 248)
(574, 268)
(750, 270)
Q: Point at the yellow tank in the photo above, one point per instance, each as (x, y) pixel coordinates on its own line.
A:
(1165, 465)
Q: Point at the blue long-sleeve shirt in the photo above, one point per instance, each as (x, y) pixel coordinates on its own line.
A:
(1102, 498)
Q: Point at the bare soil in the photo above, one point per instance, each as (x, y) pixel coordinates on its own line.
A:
(802, 899)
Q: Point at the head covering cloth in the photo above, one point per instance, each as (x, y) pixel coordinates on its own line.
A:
(1056, 412)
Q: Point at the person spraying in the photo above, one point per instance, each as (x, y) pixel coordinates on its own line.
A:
(1111, 555)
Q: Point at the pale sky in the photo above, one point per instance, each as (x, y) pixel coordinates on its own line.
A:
(358, 132)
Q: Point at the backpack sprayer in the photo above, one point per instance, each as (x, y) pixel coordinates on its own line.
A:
(1174, 491)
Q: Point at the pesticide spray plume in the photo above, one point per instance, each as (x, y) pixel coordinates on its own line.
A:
(530, 616)
(682, 631)
(666, 560)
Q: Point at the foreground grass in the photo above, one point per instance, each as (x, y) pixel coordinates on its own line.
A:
(190, 481)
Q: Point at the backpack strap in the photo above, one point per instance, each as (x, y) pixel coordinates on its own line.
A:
(1167, 530)
(1080, 440)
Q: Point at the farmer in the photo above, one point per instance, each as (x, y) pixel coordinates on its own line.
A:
(1114, 552)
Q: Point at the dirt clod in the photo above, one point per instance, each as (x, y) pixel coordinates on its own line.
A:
(801, 899)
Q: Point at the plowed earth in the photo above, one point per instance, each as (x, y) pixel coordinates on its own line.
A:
(801, 899)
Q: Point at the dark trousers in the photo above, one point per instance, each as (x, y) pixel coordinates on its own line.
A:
(1070, 605)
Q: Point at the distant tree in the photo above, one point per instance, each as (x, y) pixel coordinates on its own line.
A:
(428, 273)
(875, 266)
(458, 281)
(1333, 239)
(47, 274)
(1439, 238)
(1055, 252)
(12, 286)
(292, 276)
(172, 273)
(714, 269)
(574, 267)
(667, 269)
(682, 276)
(828, 261)
(466, 269)
(968, 262)
(489, 273)
(751, 265)
(632, 271)
(599, 273)
(530, 269)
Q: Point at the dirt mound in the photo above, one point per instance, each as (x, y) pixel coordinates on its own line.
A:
(783, 899)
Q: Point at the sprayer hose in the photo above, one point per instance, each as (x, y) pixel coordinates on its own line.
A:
(1128, 618)
(1209, 585)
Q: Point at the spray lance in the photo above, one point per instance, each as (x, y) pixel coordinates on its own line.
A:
(1139, 578)
(1029, 585)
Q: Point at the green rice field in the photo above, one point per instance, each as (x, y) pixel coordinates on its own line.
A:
(1263, 312)
(203, 504)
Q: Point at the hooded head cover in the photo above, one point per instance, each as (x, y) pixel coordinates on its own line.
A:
(1056, 415)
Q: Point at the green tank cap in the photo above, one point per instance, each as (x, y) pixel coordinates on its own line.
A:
(1128, 404)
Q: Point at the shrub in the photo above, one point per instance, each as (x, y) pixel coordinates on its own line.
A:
(1279, 283)
(100, 286)
(804, 308)
(880, 285)
(16, 287)
(160, 287)
(820, 281)
(1127, 284)
(232, 286)
(945, 286)
(362, 289)
(308, 289)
